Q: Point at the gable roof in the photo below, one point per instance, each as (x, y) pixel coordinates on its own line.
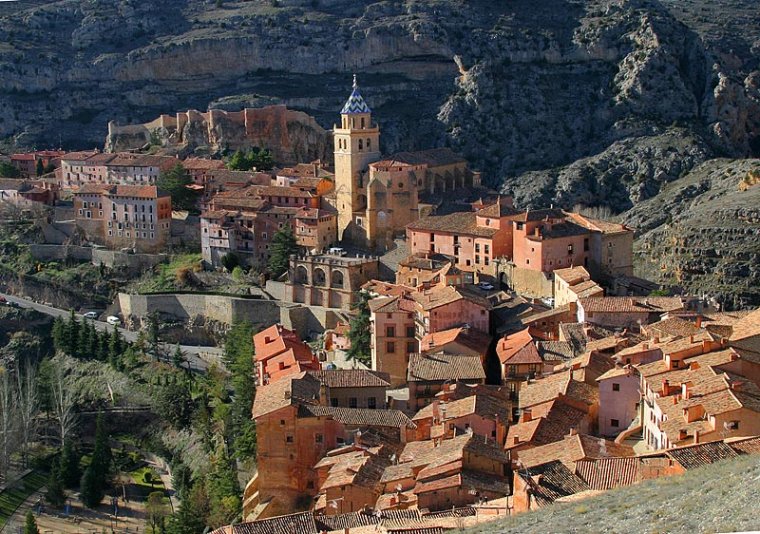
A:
(358, 416)
(302, 522)
(701, 454)
(551, 480)
(631, 304)
(291, 390)
(438, 296)
(460, 223)
(557, 424)
(440, 367)
(517, 348)
(468, 337)
(352, 378)
(553, 386)
(573, 448)
(486, 406)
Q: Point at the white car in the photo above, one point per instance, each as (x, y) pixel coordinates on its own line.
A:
(486, 286)
(113, 320)
(91, 315)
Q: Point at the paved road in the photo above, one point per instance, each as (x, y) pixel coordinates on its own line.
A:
(198, 357)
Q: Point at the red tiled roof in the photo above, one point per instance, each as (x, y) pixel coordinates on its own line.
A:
(470, 338)
(631, 304)
(441, 367)
(517, 348)
(351, 378)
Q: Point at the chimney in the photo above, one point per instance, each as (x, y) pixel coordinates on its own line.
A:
(527, 416)
(645, 346)
(737, 385)
(693, 366)
(691, 338)
(656, 340)
(436, 411)
(573, 432)
(686, 390)
(287, 393)
(665, 387)
(699, 321)
(516, 440)
(696, 436)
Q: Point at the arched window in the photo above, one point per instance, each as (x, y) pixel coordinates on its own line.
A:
(337, 279)
(369, 144)
(361, 144)
(302, 276)
(320, 279)
(362, 122)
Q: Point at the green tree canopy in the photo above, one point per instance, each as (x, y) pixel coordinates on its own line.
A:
(175, 182)
(359, 331)
(255, 158)
(283, 245)
(30, 526)
(8, 171)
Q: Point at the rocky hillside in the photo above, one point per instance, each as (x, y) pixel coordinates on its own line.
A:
(702, 233)
(709, 499)
(515, 85)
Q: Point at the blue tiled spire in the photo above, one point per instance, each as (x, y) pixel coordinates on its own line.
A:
(355, 102)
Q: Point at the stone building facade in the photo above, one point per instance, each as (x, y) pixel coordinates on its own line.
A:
(329, 280)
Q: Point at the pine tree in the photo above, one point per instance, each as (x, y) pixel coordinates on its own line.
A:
(68, 466)
(55, 495)
(359, 332)
(72, 335)
(101, 454)
(59, 334)
(223, 489)
(192, 516)
(114, 348)
(91, 490)
(30, 527)
(103, 346)
(283, 245)
(175, 182)
(39, 168)
(178, 358)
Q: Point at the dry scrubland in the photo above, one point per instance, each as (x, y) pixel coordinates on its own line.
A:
(717, 498)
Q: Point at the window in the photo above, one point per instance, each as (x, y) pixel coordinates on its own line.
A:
(477, 247)
(372, 403)
(352, 402)
(390, 347)
(411, 346)
(282, 422)
(615, 387)
(310, 484)
(318, 438)
(519, 226)
(334, 402)
(390, 331)
(486, 248)
(614, 423)
(570, 249)
(585, 244)
(477, 260)
(409, 331)
(288, 439)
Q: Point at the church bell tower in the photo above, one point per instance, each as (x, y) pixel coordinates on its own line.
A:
(357, 144)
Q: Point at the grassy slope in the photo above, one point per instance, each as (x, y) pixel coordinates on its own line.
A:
(12, 497)
(717, 498)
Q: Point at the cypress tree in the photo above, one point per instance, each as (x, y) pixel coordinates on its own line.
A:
(59, 334)
(55, 495)
(72, 335)
(91, 490)
(283, 245)
(30, 526)
(68, 466)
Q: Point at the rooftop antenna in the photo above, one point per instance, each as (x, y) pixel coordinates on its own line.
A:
(356, 85)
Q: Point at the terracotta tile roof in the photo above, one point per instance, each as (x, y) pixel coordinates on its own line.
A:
(539, 215)
(672, 327)
(486, 406)
(138, 191)
(551, 387)
(302, 522)
(517, 348)
(468, 337)
(200, 164)
(288, 391)
(358, 416)
(433, 157)
(558, 423)
(498, 209)
(559, 311)
(587, 289)
(631, 304)
(420, 530)
(385, 289)
(441, 367)
(746, 446)
(701, 454)
(462, 511)
(606, 227)
(609, 473)
(551, 480)
(467, 479)
(436, 297)
(352, 378)
(394, 304)
(571, 449)
(78, 156)
(746, 332)
(558, 230)
(459, 223)
(573, 275)
(626, 370)
(276, 340)
(556, 350)
(362, 518)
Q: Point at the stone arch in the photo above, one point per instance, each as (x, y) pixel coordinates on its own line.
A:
(301, 275)
(336, 279)
(504, 281)
(320, 278)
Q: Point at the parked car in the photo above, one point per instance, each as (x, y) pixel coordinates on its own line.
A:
(113, 320)
(485, 286)
(91, 315)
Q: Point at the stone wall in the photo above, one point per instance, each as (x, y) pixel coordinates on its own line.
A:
(183, 307)
(526, 282)
(108, 258)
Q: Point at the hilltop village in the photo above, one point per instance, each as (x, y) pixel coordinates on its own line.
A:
(437, 356)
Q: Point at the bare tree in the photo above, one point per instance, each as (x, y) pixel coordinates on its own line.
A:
(28, 407)
(8, 418)
(63, 403)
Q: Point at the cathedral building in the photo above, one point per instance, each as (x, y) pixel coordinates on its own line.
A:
(377, 197)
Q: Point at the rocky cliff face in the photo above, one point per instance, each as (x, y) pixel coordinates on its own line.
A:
(702, 232)
(593, 102)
